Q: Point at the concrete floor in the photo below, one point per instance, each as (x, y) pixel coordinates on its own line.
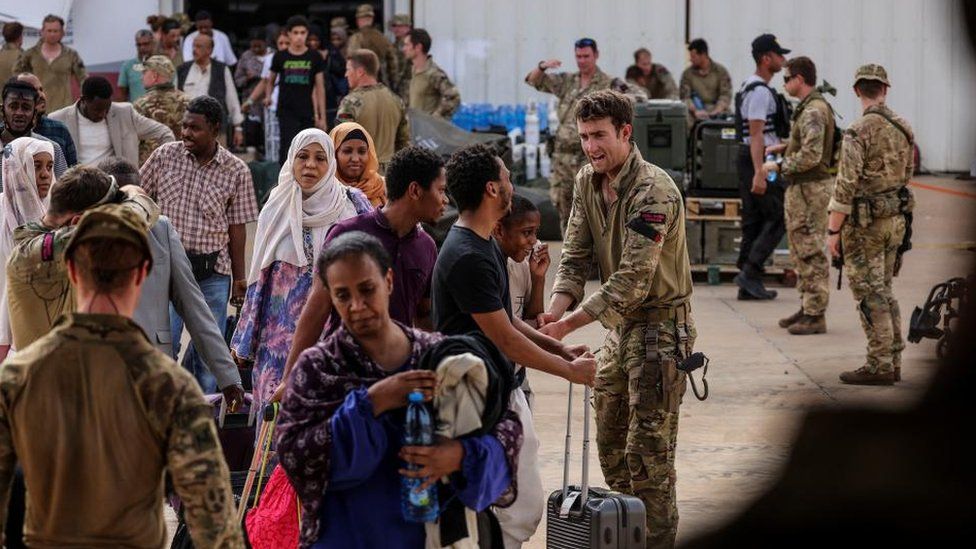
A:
(761, 379)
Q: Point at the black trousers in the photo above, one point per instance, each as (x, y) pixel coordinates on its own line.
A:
(16, 509)
(288, 127)
(762, 216)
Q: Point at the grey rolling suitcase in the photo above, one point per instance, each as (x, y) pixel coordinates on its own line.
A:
(595, 518)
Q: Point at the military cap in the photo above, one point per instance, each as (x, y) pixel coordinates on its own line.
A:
(339, 22)
(872, 72)
(111, 221)
(160, 64)
(400, 19)
(365, 10)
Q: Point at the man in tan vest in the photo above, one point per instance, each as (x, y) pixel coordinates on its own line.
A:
(374, 106)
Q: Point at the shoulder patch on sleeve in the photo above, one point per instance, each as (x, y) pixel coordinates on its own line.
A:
(643, 227)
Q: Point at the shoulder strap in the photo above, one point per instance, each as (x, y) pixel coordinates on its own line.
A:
(897, 125)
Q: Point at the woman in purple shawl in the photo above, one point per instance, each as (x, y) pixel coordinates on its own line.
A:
(341, 423)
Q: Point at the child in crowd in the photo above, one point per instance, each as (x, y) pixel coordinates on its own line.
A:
(528, 261)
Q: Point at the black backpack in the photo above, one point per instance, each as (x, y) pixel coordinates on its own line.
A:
(779, 121)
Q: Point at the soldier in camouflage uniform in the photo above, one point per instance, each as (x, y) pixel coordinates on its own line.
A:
(162, 101)
(368, 37)
(656, 78)
(431, 91)
(567, 156)
(869, 213)
(114, 408)
(644, 300)
(401, 25)
(374, 107)
(806, 167)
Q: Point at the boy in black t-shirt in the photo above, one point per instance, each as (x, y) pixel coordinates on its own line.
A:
(470, 292)
(301, 92)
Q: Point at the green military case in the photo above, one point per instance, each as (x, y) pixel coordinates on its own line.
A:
(661, 134)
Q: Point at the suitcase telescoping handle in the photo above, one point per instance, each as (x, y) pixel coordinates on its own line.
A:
(569, 502)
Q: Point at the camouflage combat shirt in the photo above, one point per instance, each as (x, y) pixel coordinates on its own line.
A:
(432, 92)
(568, 88)
(638, 242)
(382, 113)
(876, 157)
(811, 143)
(94, 414)
(165, 104)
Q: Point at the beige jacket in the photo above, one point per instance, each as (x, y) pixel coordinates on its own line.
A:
(126, 128)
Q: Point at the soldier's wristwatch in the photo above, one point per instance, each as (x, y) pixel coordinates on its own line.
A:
(540, 67)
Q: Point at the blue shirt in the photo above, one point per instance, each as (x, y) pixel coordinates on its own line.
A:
(361, 507)
(131, 79)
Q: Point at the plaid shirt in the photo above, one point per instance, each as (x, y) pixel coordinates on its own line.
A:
(201, 201)
(58, 132)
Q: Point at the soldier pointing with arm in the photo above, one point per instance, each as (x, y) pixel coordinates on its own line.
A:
(628, 214)
(869, 211)
(568, 157)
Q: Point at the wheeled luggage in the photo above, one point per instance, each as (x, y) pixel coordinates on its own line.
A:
(585, 517)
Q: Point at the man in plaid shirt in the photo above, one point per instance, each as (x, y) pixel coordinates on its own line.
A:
(208, 195)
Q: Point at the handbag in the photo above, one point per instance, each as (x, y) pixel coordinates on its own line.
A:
(274, 518)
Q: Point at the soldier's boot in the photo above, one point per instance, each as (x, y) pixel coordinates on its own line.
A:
(788, 321)
(809, 325)
(896, 362)
(746, 296)
(866, 376)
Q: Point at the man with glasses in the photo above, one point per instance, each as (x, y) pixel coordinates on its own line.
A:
(805, 165)
(761, 122)
(568, 87)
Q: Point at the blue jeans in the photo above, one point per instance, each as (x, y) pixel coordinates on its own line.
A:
(216, 292)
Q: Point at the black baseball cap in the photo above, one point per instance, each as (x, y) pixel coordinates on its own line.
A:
(765, 43)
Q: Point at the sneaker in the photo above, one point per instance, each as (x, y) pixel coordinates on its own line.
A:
(788, 321)
(753, 286)
(809, 325)
(746, 296)
(864, 376)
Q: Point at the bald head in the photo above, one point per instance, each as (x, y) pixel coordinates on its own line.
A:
(203, 46)
(34, 81)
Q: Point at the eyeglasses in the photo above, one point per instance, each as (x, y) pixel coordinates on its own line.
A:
(586, 43)
(788, 77)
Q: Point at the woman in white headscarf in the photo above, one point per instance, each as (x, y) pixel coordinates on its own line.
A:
(307, 202)
(28, 174)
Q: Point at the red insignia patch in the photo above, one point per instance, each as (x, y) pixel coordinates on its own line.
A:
(650, 217)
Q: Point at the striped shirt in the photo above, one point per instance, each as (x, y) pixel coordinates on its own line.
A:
(202, 201)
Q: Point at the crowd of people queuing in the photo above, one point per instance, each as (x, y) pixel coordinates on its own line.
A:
(115, 234)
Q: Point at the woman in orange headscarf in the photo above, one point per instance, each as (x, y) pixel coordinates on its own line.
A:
(357, 163)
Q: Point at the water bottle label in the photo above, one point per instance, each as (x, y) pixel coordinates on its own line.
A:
(421, 498)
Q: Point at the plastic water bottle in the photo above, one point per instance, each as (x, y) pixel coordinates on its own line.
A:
(771, 176)
(418, 506)
(532, 126)
(545, 164)
(553, 117)
(697, 101)
(531, 160)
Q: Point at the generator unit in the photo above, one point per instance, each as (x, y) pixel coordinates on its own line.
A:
(714, 161)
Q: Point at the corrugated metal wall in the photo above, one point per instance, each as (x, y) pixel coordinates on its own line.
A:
(487, 47)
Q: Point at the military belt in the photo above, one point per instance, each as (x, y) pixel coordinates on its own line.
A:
(679, 311)
(816, 174)
(866, 209)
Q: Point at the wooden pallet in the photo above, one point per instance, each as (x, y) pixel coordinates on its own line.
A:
(712, 209)
(779, 275)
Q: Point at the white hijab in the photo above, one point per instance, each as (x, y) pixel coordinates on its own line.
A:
(279, 233)
(20, 204)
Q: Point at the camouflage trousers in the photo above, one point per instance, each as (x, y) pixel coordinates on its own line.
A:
(638, 392)
(869, 259)
(806, 230)
(561, 182)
